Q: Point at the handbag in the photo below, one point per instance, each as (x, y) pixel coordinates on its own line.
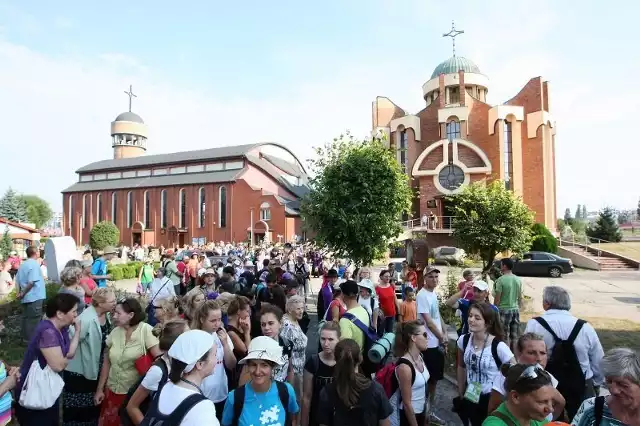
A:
(42, 387)
(144, 363)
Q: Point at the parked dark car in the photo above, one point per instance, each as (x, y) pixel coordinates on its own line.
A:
(538, 263)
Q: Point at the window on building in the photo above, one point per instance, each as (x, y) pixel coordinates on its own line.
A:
(85, 220)
(195, 169)
(114, 208)
(163, 208)
(508, 156)
(201, 207)
(222, 209)
(453, 130)
(182, 212)
(129, 209)
(454, 95)
(451, 177)
(99, 208)
(71, 212)
(147, 209)
(403, 154)
(265, 211)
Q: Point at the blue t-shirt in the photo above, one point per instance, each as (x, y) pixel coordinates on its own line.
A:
(100, 268)
(263, 409)
(30, 272)
(463, 305)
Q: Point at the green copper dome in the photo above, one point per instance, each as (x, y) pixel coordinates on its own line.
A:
(455, 64)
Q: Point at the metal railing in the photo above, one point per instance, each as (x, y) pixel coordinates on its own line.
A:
(436, 223)
(590, 244)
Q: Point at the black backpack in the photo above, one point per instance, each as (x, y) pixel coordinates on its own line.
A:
(125, 420)
(155, 418)
(494, 348)
(238, 402)
(564, 366)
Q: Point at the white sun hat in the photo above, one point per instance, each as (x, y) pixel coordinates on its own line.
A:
(264, 348)
(366, 283)
(190, 347)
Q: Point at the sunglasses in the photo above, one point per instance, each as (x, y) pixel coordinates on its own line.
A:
(533, 372)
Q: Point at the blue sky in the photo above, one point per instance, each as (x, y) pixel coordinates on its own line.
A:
(211, 73)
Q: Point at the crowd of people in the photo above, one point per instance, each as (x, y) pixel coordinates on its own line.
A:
(227, 344)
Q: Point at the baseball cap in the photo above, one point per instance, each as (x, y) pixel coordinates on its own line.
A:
(430, 268)
(481, 285)
(190, 347)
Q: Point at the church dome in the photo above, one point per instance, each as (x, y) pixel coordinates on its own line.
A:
(455, 64)
(130, 116)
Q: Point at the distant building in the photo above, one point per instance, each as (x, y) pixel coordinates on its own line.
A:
(216, 194)
(22, 235)
(458, 138)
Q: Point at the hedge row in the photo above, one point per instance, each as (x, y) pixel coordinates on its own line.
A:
(127, 271)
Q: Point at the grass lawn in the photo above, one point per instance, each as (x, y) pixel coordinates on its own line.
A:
(629, 249)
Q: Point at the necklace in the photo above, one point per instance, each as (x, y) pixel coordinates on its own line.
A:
(191, 384)
(415, 362)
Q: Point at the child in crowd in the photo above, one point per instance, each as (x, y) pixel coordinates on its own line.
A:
(468, 278)
(408, 308)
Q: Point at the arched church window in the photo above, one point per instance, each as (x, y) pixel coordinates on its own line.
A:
(403, 146)
(129, 209)
(451, 177)
(147, 209)
(71, 212)
(85, 220)
(201, 207)
(163, 208)
(99, 208)
(265, 211)
(182, 215)
(453, 130)
(114, 208)
(508, 156)
(222, 209)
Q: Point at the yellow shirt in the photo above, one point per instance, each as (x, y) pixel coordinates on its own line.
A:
(348, 330)
(123, 355)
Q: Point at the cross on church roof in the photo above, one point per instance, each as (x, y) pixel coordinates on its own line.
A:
(453, 34)
(131, 95)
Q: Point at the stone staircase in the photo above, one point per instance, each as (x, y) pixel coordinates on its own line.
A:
(606, 262)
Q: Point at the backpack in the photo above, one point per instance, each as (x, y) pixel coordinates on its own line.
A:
(564, 366)
(386, 376)
(370, 339)
(300, 271)
(238, 402)
(494, 348)
(125, 420)
(155, 418)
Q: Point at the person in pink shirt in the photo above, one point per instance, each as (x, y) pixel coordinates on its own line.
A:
(467, 281)
(86, 282)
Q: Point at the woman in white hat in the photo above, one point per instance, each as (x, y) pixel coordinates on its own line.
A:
(263, 400)
(181, 402)
(368, 300)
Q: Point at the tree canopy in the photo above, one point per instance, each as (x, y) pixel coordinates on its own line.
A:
(543, 239)
(605, 227)
(490, 219)
(12, 207)
(358, 194)
(38, 210)
(104, 234)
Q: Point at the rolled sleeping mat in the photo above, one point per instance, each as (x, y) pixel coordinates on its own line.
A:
(380, 349)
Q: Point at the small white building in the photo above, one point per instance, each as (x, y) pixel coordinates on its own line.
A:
(22, 234)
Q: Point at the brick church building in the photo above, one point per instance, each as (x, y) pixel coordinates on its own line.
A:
(458, 138)
(218, 194)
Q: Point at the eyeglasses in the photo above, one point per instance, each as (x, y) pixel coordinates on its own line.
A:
(533, 372)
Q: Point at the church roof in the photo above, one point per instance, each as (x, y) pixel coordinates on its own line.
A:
(455, 64)
(130, 116)
(174, 157)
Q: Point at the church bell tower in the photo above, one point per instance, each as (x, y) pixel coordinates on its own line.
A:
(128, 133)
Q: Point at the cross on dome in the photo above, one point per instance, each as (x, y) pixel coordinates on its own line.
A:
(453, 34)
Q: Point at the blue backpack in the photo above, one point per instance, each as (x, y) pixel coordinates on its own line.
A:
(370, 339)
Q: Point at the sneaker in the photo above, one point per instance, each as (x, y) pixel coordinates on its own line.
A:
(435, 420)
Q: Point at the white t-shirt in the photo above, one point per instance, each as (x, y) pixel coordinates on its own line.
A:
(202, 414)
(480, 365)
(215, 387)
(163, 291)
(498, 386)
(427, 303)
(154, 375)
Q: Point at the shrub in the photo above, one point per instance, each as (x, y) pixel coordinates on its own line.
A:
(450, 288)
(128, 272)
(116, 273)
(104, 234)
(543, 239)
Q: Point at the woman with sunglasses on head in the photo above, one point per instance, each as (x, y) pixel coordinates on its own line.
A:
(529, 399)
(530, 350)
(410, 399)
(481, 353)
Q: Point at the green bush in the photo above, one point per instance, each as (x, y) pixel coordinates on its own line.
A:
(450, 288)
(128, 272)
(104, 234)
(116, 273)
(543, 239)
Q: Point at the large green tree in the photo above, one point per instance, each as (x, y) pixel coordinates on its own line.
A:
(605, 227)
(490, 219)
(357, 196)
(38, 210)
(12, 207)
